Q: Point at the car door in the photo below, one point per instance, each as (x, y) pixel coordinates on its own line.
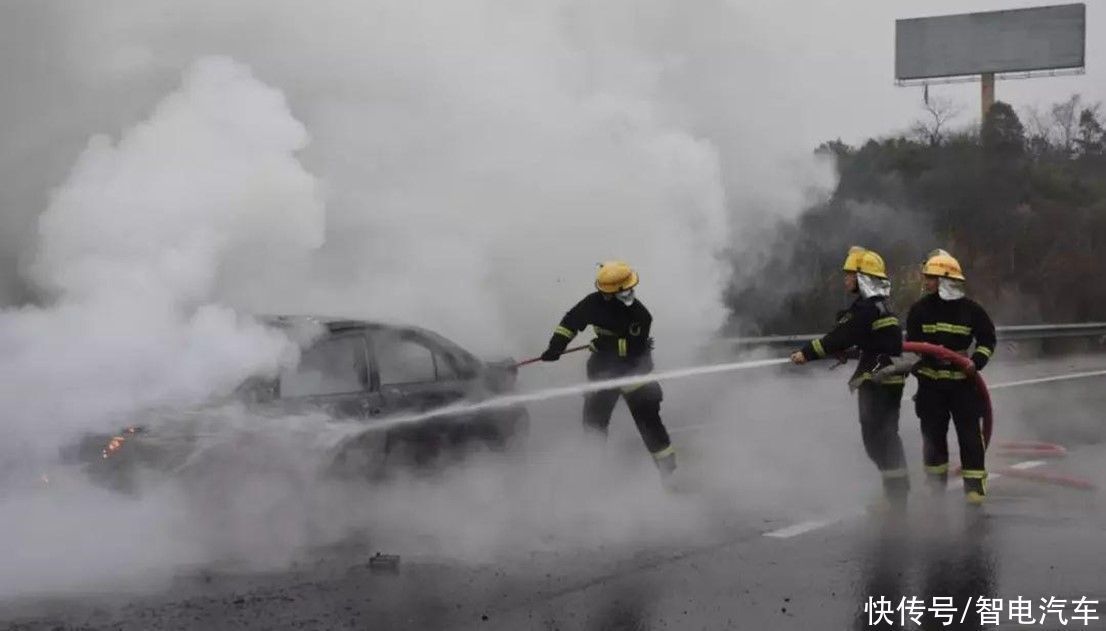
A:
(412, 374)
(333, 376)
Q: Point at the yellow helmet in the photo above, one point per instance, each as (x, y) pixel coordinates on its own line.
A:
(941, 263)
(615, 276)
(865, 261)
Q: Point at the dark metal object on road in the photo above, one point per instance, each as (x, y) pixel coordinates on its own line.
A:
(384, 563)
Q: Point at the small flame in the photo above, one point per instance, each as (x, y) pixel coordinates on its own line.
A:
(113, 445)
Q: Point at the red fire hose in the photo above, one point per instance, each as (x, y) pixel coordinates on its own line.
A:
(965, 364)
(1013, 448)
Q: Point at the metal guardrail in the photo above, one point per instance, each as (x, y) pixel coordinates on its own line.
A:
(1005, 333)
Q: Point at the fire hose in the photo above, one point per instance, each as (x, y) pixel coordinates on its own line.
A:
(1013, 448)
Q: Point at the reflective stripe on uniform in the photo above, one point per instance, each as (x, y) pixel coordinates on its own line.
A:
(601, 331)
(818, 349)
(974, 474)
(937, 469)
(883, 323)
(946, 327)
(933, 373)
(565, 331)
(984, 351)
(664, 453)
(622, 347)
(893, 380)
(631, 388)
(895, 473)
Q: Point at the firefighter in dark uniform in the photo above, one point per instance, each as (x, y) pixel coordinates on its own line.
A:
(621, 348)
(945, 317)
(871, 327)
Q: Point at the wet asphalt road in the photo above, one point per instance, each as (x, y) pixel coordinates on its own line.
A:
(771, 551)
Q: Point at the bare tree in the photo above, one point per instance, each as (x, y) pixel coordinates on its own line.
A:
(1065, 122)
(933, 127)
(1038, 131)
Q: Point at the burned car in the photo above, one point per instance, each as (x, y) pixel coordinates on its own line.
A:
(352, 372)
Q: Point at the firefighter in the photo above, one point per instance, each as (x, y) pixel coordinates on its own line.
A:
(944, 316)
(622, 347)
(873, 329)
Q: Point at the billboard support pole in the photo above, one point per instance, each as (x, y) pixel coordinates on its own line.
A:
(987, 94)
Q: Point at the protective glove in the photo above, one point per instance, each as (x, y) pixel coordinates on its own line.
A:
(550, 355)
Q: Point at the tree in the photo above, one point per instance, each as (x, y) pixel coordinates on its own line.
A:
(1038, 133)
(933, 127)
(1002, 132)
(1065, 121)
(1022, 202)
(1091, 138)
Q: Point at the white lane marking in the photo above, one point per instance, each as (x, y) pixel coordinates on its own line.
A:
(688, 428)
(1030, 382)
(802, 527)
(1028, 464)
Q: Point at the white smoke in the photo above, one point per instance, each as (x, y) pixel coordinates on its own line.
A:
(131, 247)
(480, 159)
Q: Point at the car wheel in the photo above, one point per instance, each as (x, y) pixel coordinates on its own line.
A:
(363, 456)
(506, 432)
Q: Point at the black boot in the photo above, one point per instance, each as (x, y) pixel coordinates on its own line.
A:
(975, 491)
(937, 478)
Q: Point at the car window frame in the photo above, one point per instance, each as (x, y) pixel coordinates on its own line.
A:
(363, 369)
(438, 353)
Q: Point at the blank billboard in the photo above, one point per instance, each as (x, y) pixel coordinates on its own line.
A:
(1020, 40)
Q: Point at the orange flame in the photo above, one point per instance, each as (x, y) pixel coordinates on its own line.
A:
(113, 446)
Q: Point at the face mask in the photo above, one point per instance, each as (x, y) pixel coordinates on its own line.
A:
(626, 297)
(949, 289)
(869, 286)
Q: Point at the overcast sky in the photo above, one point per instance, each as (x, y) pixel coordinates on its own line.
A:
(862, 66)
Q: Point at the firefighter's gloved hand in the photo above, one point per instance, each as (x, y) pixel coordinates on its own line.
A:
(550, 355)
(798, 358)
(971, 369)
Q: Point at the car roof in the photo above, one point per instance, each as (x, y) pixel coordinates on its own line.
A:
(335, 324)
